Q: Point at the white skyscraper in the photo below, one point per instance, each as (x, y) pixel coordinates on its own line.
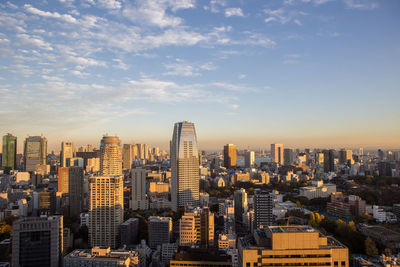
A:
(249, 158)
(277, 153)
(110, 156)
(67, 152)
(184, 166)
(139, 200)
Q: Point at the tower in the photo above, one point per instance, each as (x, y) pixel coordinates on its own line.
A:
(110, 156)
(139, 200)
(35, 154)
(184, 166)
(229, 156)
(9, 158)
(240, 204)
(249, 159)
(67, 152)
(277, 153)
(263, 205)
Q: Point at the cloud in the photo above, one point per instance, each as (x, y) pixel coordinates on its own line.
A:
(242, 76)
(56, 15)
(283, 16)
(110, 4)
(186, 69)
(34, 40)
(120, 64)
(229, 12)
(361, 4)
(86, 61)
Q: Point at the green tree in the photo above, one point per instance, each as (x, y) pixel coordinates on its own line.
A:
(370, 247)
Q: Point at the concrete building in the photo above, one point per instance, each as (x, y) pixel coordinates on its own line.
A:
(129, 232)
(75, 190)
(196, 227)
(291, 246)
(329, 160)
(101, 257)
(37, 241)
(160, 231)
(277, 153)
(110, 156)
(387, 238)
(240, 204)
(63, 179)
(129, 154)
(106, 210)
(35, 154)
(317, 190)
(346, 156)
(67, 152)
(226, 241)
(139, 199)
(288, 156)
(229, 156)
(184, 166)
(197, 257)
(345, 206)
(9, 153)
(249, 158)
(263, 205)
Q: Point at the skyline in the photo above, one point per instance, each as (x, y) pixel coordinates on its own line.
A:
(306, 73)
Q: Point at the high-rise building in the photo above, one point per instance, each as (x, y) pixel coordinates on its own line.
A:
(345, 156)
(297, 245)
(75, 190)
(196, 227)
(37, 241)
(9, 156)
(63, 180)
(229, 156)
(249, 158)
(160, 231)
(319, 161)
(240, 204)
(67, 152)
(129, 232)
(329, 160)
(263, 205)
(139, 200)
(110, 156)
(35, 154)
(129, 153)
(184, 166)
(106, 210)
(277, 153)
(288, 156)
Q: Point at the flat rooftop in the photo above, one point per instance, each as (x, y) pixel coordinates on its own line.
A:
(292, 229)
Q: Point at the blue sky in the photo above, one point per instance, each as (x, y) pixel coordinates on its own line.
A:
(307, 73)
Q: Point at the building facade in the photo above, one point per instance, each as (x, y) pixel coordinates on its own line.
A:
(9, 152)
(277, 153)
(139, 199)
(263, 206)
(110, 156)
(67, 152)
(160, 231)
(229, 156)
(35, 154)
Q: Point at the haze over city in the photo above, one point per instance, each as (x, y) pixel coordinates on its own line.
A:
(309, 73)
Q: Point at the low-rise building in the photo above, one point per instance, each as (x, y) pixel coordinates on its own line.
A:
(200, 257)
(388, 238)
(317, 190)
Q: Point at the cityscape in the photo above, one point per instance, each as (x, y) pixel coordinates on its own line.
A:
(163, 133)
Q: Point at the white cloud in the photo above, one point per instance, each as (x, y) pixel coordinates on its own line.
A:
(11, 5)
(242, 76)
(361, 4)
(110, 4)
(56, 15)
(229, 12)
(35, 41)
(120, 64)
(187, 70)
(86, 62)
(283, 16)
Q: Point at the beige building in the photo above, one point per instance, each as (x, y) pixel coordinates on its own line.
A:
(139, 199)
(277, 153)
(317, 190)
(67, 152)
(196, 227)
(291, 246)
(99, 256)
(110, 156)
(129, 154)
(229, 156)
(158, 188)
(226, 241)
(106, 210)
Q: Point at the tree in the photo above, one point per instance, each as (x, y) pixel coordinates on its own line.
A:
(370, 247)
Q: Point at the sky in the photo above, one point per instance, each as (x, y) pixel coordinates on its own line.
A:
(305, 73)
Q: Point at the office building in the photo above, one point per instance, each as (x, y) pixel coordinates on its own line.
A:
(263, 205)
(240, 204)
(75, 190)
(9, 152)
(160, 231)
(67, 152)
(35, 154)
(196, 227)
(200, 257)
(385, 168)
(277, 153)
(110, 156)
(184, 166)
(317, 190)
(47, 203)
(129, 232)
(249, 158)
(345, 206)
(139, 199)
(288, 156)
(63, 179)
(102, 257)
(37, 241)
(291, 246)
(129, 154)
(226, 241)
(229, 156)
(106, 210)
(319, 161)
(329, 160)
(345, 156)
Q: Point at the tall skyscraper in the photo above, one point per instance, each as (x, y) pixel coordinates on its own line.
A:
(129, 153)
(249, 158)
(263, 205)
(35, 154)
(288, 156)
(240, 204)
(229, 156)
(184, 166)
(277, 153)
(75, 190)
(110, 156)
(345, 156)
(63, 180)
(139, 200)
(329, 160)
(196, 227)
(160, 231)
(9, 157)
(67, 152)
(106, 210)
(37, 241)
